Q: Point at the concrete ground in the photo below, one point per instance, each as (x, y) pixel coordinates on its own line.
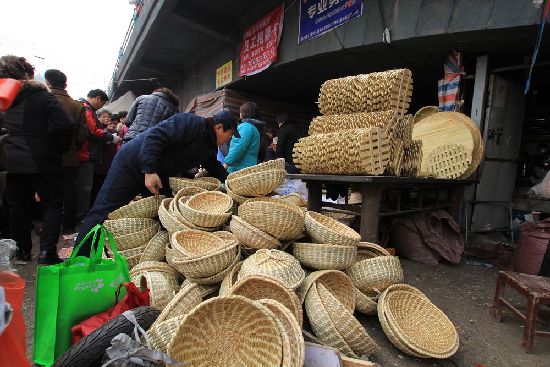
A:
(463, 292)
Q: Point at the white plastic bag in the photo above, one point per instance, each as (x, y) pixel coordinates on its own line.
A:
(290, 186)
(542, 189)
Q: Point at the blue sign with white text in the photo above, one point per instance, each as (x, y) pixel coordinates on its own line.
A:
(320, 16)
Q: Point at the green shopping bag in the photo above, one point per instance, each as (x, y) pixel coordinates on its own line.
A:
(69, 293)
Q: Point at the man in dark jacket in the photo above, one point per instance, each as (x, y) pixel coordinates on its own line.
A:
(171, 148)
(39, 133)
(149, 110)
(288, 135)
(92, 149)
(57, 82)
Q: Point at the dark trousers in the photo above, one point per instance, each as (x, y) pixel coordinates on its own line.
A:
(69, 196)
(96, 186)
(20, 195)
(85, 179)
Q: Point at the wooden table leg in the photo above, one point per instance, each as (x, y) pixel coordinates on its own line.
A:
(497, 303)
(314, 198)
(370, 211)
(530, 324)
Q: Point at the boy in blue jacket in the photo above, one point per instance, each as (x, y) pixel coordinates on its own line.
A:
(243, 151)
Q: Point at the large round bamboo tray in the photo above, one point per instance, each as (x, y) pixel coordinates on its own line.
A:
(187, 298)
(252, 237)
(192, 243)
(208, 265)
(276, 264)
(258, 287)
(372, 276)
(217, 278)
(257, 183)
(322, 325)
(365, 304)
(292, 329)
(230, 279)
(207, 183)
(155, 249)
(169, 220)
(424, 112)
(323, 229)
(208, 209)
(294, 198)
(280, 219)
(448, 161)
(420, 325)
(136, 239)
(124, 226)
(347, 325)
(161, 333)
(236, 198)
(337, 282)
(324, 256)
(162, 287)
(228, 331)
(478, 147)
(143, 208)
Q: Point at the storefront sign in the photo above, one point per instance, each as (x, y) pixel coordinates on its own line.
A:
(224, 74)
(260, 42)
(320, 16)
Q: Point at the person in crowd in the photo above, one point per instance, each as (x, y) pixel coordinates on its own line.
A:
(149, 110)
(92, 149)
(243, 151)
(121, 127)
(170, 148)
(56, 80)
(39, 133)
(288, 135)
(109, 151)
(266, 152)
(104, 116)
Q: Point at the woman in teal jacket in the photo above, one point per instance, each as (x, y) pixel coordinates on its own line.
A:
(243, 151)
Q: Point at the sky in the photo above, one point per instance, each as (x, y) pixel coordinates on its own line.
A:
(80, 38)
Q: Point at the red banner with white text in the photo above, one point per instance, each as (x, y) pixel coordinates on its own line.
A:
(260, 42)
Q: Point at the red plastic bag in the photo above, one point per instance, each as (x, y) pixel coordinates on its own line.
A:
(134, 298)
(8, 91)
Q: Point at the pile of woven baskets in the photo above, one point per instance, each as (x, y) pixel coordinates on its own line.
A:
(363, 129)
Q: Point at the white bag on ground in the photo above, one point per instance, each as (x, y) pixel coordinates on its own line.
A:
(543, 188)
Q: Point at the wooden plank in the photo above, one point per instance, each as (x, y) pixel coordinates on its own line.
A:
(352, 362)
(317, 355)
(480, 89)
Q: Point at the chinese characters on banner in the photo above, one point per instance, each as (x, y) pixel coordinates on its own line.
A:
(224, 74)
(320, 16)
(260, 42)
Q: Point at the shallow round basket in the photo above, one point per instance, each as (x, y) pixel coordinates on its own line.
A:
(217, 278)
(296, 353)
(161, 332)
(257, 183)
(258, 287)
(337, 282)
(294, 198)
(209, 264)
(280, 219)
(192, 243)
(132, 256)
(347, 325)
(162, 286)
(168, 220)
(365, 304)
(276, 164)
(187, 192)
(135, 239)
(155, 249)
(372, 276)
(209, 209)
(236, 198)
(228, 331)
(327, 230)
(226, 236)
(207, 183)
(274, 263)
(367, 250)
(230, 279)
(156, 266)
(420, 325)
(143, 208)
(187, 298)
(252, 237)
(124, 226)
(324, 256)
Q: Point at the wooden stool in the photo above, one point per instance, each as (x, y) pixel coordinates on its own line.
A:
(537, 291)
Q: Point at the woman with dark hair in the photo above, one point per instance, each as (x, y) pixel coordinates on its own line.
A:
(39, 132)
(149, 110)
(243, 151)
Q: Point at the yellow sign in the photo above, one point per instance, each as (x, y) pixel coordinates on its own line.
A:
(224, 74)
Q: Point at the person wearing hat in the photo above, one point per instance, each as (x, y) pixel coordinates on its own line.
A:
(170, 148)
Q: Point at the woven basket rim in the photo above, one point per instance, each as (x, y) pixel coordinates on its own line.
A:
(157, 266)
(364, 303)
(324, 256)
(276, 164)
(121, 212)
(156, 246)
(361, 266)
(299, 197)
(318, 275)
(342, 229)
(182, 182)
(211, 196)
(258, 232)
(182, 293)
(203, 236)
(217, 278)
(291, 262)
(112, 224)
(236, 197)
(257, 183)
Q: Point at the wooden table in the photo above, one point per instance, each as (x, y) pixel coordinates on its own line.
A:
(372, 188)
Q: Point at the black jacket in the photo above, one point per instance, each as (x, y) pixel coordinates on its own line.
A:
(39, 131)
(147, 111)
(287, 136)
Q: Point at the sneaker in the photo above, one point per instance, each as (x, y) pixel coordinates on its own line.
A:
(22, 257)
(49, 258)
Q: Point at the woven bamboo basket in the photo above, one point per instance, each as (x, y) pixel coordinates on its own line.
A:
(236, 198)
(173, 208)
(162, 286)
(292, 329)
(205, 289)
(448, 161)
(294, 198)
(322, 325)
(230, 279)
(226, 236)
(276, 164)
(372, 248)
(209, 209)
(324, 256)
(258, 287)
(136, 239)
(161, 333)
(187, 298)
(276, 264)
(207, 183)
(124, 226)
(143, 208)
(192, 243)
(207, 265)
(252, 237)
(168, 220)
(337, 282)
(228, 331)
(347, 325)
(373, 276)
(155, 266)
(155, 249)
(323, 229)
(133, 256)
(217, 278)
(257, 183)
(359, 120)
(280, 219)
(420, 325)
(187, 192)
(365, 304)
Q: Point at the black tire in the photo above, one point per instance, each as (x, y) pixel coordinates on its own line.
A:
(89, 351)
